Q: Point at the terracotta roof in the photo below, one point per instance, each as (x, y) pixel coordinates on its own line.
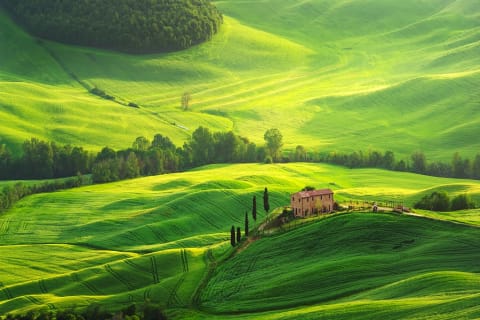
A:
(322, 192)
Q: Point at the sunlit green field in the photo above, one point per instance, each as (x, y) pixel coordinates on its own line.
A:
(332, 75)
(154, 238)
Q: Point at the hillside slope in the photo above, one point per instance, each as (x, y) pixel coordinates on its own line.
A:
(352, 266)
(333, 75)
(153, 238)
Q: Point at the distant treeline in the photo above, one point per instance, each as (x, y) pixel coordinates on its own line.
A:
(47, 160)
(463, 168)
(133, 26)
(9, 195)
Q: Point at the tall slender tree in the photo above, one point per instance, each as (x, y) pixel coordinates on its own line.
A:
(232, 236)
(239, 235)
(254, 208)
(266, 204)
(246, 223)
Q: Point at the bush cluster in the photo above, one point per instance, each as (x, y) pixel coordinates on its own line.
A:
(139, 26)
(440, 201)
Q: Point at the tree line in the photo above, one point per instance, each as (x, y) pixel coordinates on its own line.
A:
(46, 160)
(236, 234)
(458, 167)
(139, 26)
(10, 194)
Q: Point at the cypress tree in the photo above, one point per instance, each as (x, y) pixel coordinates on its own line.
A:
(239, 235)
(266, 204)
(232, 236)
(254, 208)
(246, 223)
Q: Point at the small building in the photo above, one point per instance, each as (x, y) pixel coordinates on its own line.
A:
(305, 203)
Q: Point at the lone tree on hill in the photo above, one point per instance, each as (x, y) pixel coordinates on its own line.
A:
(246, 223)
(254, 208)
(273, 140)
(266, 204)
(232, 236)
(239, 235)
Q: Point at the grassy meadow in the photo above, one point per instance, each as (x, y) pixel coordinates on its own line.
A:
(155, 238)
(338, 75)
(332, 75)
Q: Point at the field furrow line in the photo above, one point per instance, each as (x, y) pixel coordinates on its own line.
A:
(91, 287)
(183, 256)
(34, 300)
(173, 298)
(114, 274)
(51, 306)
(43, 287)
(157, 234)
(135, 266)
(146, 294)
(156, 278)
(7, 293)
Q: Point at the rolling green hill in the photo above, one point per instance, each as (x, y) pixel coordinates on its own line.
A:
(332, 75)
(352, 266)
(154, 239)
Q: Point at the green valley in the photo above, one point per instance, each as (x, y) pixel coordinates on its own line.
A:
(341, 75)
(155, 238)
(335, 77)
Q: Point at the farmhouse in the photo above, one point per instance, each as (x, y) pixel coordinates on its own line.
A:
(305, 203)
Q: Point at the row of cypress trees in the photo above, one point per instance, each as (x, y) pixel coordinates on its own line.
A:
(236, 233)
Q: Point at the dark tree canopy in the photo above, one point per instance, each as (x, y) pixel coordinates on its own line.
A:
(266, 203)
(139, 26)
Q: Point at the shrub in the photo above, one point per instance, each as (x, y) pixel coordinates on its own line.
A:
(437, 201)
(462, 202)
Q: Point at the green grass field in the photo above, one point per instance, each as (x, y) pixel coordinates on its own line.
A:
(332, 75)
(154, 238)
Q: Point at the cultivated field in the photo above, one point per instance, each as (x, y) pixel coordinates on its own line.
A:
(153, 239)
(332, 75)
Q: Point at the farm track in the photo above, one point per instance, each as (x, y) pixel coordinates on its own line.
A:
(91, 287)
(174, 299)
(153, 262)
(42, 285)
(147, 294)
(34, 300)
(114, 274)
(183, 255)
(7, 293)
(157, 234)
(133, 265)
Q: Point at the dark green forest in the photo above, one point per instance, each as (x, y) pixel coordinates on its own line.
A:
(134, 26)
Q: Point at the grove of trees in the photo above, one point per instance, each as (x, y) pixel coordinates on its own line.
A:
(440, 201)
(139, 26)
